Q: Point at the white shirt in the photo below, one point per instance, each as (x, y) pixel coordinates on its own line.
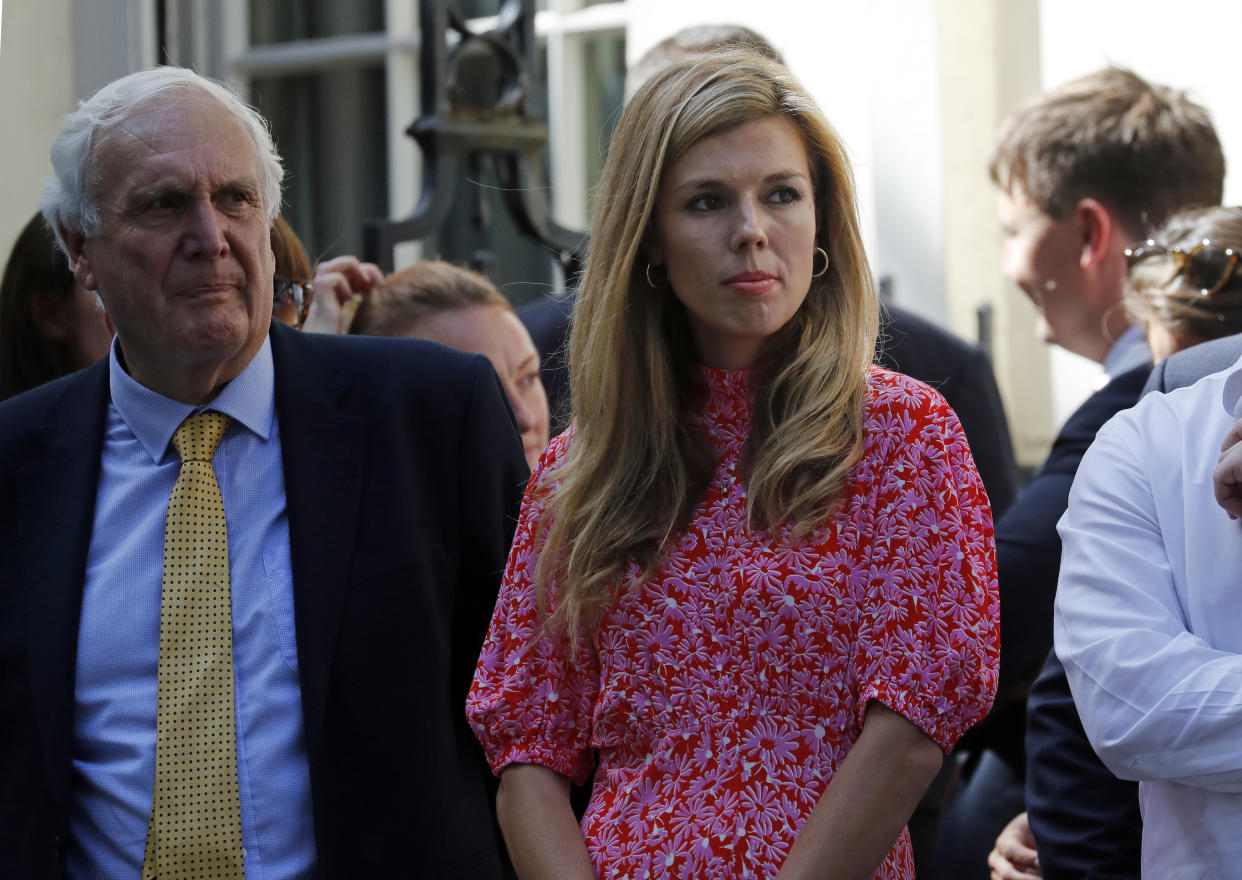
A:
(1148, 623)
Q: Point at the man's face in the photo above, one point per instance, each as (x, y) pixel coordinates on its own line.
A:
(183, 262)
(1043, 257)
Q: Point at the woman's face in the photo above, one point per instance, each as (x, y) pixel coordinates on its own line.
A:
(735, 231)
(498, 334)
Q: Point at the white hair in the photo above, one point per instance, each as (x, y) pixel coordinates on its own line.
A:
(70, 199)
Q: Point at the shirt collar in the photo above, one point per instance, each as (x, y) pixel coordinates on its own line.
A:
(249, 398)
(1129, 351)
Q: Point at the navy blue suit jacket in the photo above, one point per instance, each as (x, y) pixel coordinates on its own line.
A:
(1028, 548)
(1086, 822)
(403, 475)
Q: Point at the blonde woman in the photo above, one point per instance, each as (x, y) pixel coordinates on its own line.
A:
(754, 585)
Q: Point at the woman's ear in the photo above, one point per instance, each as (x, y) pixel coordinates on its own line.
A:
(652, 249)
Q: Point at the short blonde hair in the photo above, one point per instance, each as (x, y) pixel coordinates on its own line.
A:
(634, 471)
(1143, 150)
(409, 297)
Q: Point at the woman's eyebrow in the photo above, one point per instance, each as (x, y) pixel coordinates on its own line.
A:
(713, 183)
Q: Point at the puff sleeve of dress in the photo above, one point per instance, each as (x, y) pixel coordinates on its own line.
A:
(533, 695)
(928, 632)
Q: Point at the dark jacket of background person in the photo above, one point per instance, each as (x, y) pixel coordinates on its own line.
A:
(1065, 780)
(963, 375)
(1028, 556)
(401, 501)
(961, 372)
(1028, 549)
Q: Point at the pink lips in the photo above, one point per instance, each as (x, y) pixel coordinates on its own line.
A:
(752, 283)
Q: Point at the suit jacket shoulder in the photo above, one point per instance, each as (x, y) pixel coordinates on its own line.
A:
(962, 373)
(1189, 366)
(1079, 430)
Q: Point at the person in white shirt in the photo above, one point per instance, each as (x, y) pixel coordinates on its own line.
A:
(1147, 609)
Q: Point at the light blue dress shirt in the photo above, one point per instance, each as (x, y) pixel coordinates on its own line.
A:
(118, 641)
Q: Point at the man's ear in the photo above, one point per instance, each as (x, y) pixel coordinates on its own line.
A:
(79, 258)
(1100, 233)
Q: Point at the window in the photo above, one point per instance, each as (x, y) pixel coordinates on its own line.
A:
(339, 82)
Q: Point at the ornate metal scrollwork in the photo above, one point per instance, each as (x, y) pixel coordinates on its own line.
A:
(476, 105)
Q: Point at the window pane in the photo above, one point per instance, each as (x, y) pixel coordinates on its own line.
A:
(605, 93)
(521, 267)
(329, 127)
(279, 21)
(476, 8)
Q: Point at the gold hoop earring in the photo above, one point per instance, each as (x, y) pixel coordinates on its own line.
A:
(647, 274)
(819, 251)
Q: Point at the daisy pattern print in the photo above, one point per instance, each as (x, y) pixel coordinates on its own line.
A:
(720, 697)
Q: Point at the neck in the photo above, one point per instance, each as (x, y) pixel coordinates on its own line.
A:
(1114, 322)
(195, 384)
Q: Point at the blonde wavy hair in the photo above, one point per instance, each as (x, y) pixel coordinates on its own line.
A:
(635, 471)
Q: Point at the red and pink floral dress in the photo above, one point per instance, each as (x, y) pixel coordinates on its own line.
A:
(721, 696)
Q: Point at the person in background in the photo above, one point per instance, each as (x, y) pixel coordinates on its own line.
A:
(244, 571)
(459, 308)
(1147, 604)
(340, 285)
(1191, 335)
(1182, 287)
(733, 568)
(293, 288)
(1081, 171)
(49, 324)
(323, 300)
(907, 344)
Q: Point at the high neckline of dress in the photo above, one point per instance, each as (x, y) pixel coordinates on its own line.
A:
(724, 402)
(723, 383)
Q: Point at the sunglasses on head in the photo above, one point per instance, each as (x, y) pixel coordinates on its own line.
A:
(1206, 267)
(292, 301)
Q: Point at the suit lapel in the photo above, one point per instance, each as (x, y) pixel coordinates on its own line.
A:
(56, 500)
(322, 449)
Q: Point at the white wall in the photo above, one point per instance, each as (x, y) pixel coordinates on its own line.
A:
(52, 53)
(36, 89)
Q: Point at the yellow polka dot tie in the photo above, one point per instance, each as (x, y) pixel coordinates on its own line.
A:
(195, 825)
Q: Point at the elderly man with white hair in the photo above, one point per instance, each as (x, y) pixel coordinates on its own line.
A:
(244, 572)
